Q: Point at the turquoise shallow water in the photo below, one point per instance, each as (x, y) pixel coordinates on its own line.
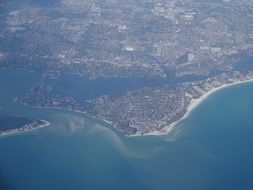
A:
(212, 149)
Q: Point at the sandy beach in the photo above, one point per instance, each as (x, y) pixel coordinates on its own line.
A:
(17, 131)
(166, 130)
(193, 104)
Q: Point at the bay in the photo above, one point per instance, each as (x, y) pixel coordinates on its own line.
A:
(211, 149)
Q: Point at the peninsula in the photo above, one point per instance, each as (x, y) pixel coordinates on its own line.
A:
(12, 125)
(140, 66)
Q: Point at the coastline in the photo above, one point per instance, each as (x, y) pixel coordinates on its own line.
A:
(193, 104)
(25, 130)
(166, 130)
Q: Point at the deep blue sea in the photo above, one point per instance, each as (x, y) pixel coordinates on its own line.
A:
(210, 150)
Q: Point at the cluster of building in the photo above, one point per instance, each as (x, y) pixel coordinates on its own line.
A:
(33, 125)
(175, 40)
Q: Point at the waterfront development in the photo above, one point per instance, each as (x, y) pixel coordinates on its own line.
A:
(78, 152)
(11, 125)
(138, 65)
(126, 94)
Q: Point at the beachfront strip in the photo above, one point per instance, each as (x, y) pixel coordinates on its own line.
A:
(157, 111)
(145, 111)
(31, 126)
(184, 49)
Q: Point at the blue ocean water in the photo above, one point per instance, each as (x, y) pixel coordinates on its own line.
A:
(212, 149)
(11, 122)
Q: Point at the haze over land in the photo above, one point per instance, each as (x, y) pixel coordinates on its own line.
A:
(78, 77)
(134, 64)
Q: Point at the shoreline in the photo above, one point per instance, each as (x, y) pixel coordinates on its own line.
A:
(194, 103)
(13, 132)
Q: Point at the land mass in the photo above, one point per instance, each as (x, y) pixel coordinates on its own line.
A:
(12, 125)
(138, 65)
(106, 108)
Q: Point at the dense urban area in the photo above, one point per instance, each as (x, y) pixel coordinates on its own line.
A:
(146, 60)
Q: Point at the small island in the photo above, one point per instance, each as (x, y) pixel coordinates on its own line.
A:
(12, 125)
